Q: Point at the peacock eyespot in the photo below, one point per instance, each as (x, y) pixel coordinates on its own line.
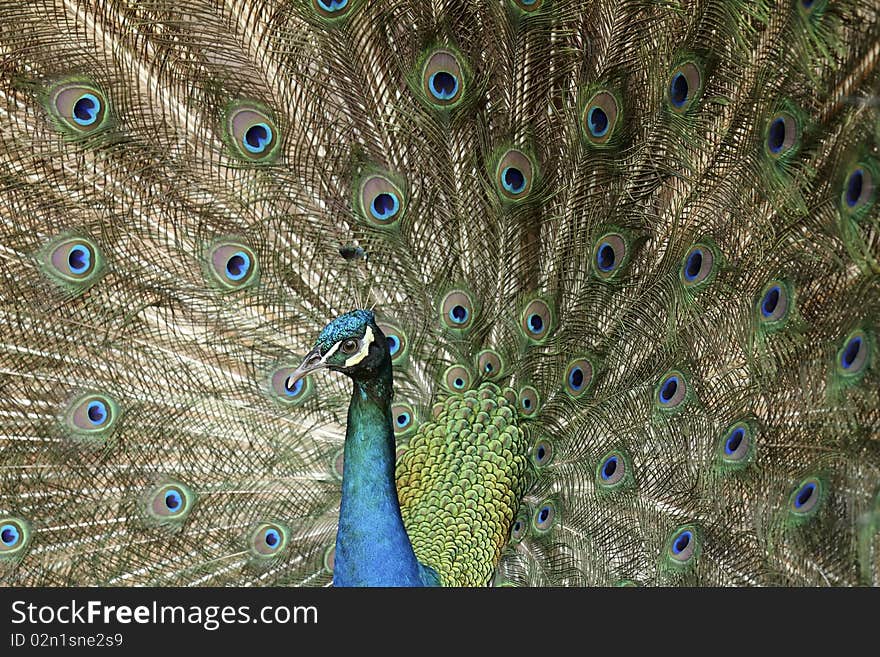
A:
(332, 9)
(685, 86)
(520, 527)
(457, 310)
(457, 378)
(396, 340)
(93, 413)
(544, 517)
(536, 320)
(72, 261)
(529, 401)
(403, 418)
(170, 502)
(736, 445)
(14, 537)
(672, 391)
(854, 354)
(683, 545)
(774, 302)
(489, 363)
(697, 266)
(514, 176)
(611, 470)
(443, 79)
(782, 134)
(542, 452)
(268, 540)
(806, 497)
(609, 255)
(78, 108)
(252, 133)
(288, 388)
(578, 377)
(233, 265)
(599, 118)
(858, 190)
(381, 200)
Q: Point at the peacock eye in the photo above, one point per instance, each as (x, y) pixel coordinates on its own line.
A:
(349, 346)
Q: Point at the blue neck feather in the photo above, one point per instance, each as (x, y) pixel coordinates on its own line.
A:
(372, 546)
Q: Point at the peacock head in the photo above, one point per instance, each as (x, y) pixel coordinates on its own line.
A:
(352, 344)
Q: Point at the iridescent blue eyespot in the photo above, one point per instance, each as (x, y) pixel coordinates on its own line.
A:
(542, 453)
(806, 497)
(251, 132)
(232, 265)
(267, 540)
(535, 323)
(734, 441)
(97, 412)
(782, 134)
(385, 206)
(238, 266)
(293, 389)
(457, 378)
(513, 180)
(850, 352)
(681, 542)
(605, 257)
(678, 90)
(685, 85)
(79, 259)
(536, 320)
(736, 445)
(609, 254)
(14, 537)
(854, 355)
(529, 401)
(489, 364)
(444, 85)
(515, 172)
(854, 187)
(170, 502)
(457, 310)
(332, 6)
(173, 500)
(775, 301)
(776, 135)
(459, 314)
(544, 516)
(393, 345)
(86, 109)
(92, 415)
(578, 377)
(671, 391)
(683, 545)
(597, 121)
(10, 535)
(403, 419)
(442, 79)
(611, 470)
(257, 138)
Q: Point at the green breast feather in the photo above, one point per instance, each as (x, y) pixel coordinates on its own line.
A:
(460, 481)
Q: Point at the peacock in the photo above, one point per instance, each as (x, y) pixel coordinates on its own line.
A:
(439, 292)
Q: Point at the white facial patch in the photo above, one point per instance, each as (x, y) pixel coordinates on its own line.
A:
(364, 350)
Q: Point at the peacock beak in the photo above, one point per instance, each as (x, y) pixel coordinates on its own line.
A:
(312, 362)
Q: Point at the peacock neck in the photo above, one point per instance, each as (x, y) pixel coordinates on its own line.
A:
(372, 546)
